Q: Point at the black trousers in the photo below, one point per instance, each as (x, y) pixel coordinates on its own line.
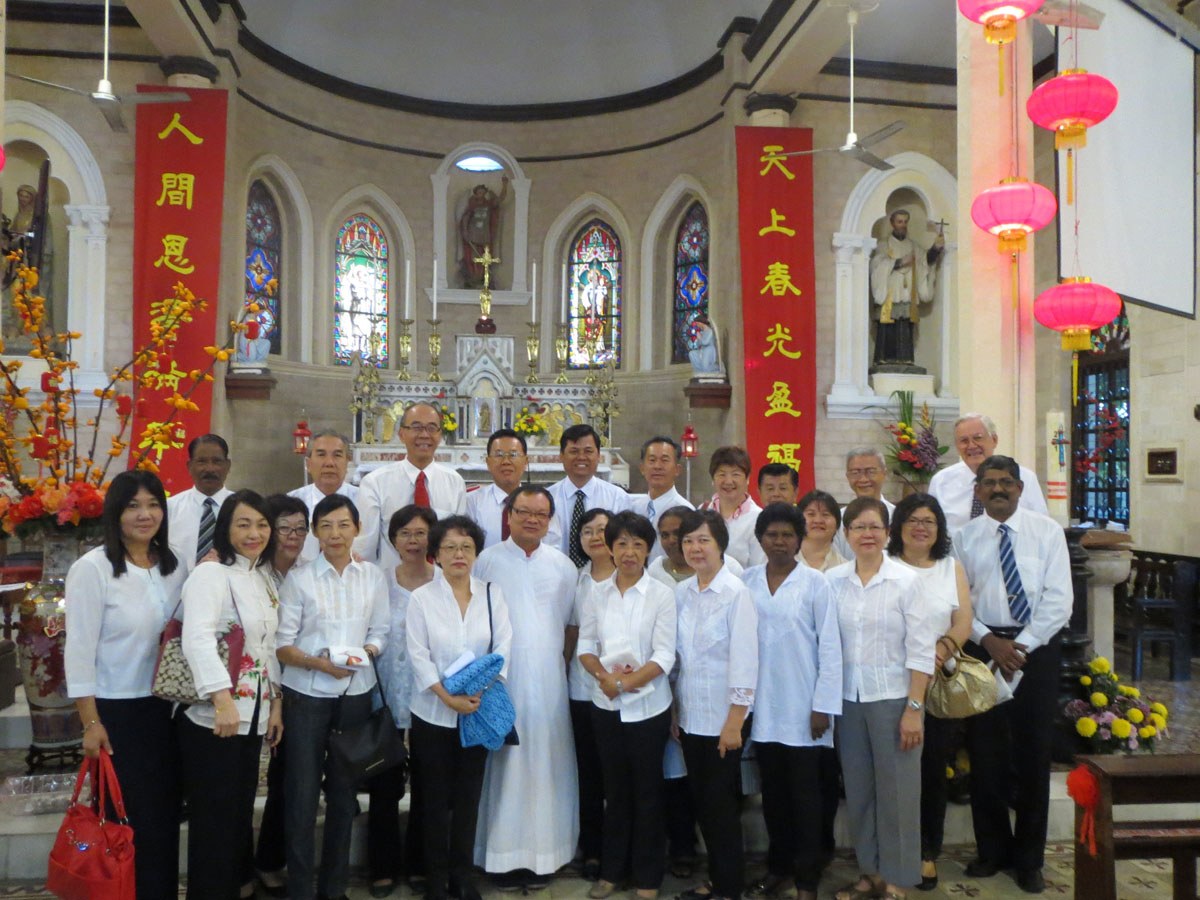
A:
(451, 778)
(831, 791)
(220, 778)
(717, 794)
(631, 758)
(794, 811)
(385, 859)
(146, 760)
(935, 787)
(271, 855)
(1013, 741)
(681, 818)
(591, 779)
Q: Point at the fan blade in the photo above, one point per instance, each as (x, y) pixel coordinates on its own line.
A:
(131, 99)
(810, 152)
(865, 156)
(61, 87)
(876, 136)
(112, 112)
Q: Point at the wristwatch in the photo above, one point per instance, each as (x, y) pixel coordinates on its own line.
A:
(915, 704)
(619, 686)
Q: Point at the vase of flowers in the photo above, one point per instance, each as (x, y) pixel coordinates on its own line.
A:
(913, 449)
(1110, 716)
(531, 425)
(449, 424)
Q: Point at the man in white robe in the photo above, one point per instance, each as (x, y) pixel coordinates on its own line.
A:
(529, 809)
(902, 276)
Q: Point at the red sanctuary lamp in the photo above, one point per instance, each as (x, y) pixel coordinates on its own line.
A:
(689, 441)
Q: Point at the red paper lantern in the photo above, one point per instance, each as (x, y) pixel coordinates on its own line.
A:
(999, 18)
(1013, 209)
(1076, 308)
(1071, 103)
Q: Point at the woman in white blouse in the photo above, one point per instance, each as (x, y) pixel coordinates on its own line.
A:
(729, 468)
(627, 645)
(408, 533)
(450, 619)
(887, 659)
(822, 519)
(119, 597)
(599, 568)
(920, 539)
(220, 738)
(717, 643)
(799, 692)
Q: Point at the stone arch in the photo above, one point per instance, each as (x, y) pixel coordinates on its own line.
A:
(666, 212)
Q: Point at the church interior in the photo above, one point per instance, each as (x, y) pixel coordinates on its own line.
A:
(376, 167)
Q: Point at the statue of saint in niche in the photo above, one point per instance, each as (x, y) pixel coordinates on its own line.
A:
(479, 228)
(903, 275)
(28, 231)
(702, 350)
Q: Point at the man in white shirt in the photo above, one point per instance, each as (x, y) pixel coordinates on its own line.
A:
(192, 514)
(326, 461)
(506, 461)
(778, 483)
(529, 810)
(1020, 576)
(660, 467)
(866, 471)
(415, 479)
(975, 439)
(581, 490)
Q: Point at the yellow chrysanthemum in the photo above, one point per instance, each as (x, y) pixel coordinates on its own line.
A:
(1086, 727)
(1085, 680)
(1121, 728)
(1099, 700)
(1135, 716)
(1158, 721)
(1160, 709)
(1146, 732)
(949, 772)
(1099, 666)
(1131, 692)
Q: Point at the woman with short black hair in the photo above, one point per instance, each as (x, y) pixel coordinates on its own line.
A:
(822, 519)
(729, 469)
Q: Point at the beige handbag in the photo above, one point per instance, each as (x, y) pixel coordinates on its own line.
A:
(967, 689)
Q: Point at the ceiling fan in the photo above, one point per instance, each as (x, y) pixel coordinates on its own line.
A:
(109, 103)
(854, 146)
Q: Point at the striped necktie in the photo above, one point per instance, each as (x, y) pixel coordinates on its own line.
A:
(208, 524)
(1018, 604)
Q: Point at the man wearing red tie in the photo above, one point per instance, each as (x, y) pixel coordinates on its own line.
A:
(414, 479)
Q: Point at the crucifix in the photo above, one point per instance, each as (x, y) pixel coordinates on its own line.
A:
(485, 325)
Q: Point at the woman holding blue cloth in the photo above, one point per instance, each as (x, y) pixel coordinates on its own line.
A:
(451, 621)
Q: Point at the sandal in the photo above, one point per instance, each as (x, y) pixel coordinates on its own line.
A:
(766, 888)
(852, 891)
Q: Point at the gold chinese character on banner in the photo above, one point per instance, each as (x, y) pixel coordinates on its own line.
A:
(784, 453)
(177, 189)
(778, 280)
(772, 159)
(170, 380)
(172, 255)
(777, 337)
(780, 401)
(776, 218)
(176, 124)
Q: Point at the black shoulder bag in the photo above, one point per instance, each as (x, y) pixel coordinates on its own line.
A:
(372, 747)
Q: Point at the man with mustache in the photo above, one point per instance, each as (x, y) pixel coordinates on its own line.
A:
(1020, 576)
(192, 514)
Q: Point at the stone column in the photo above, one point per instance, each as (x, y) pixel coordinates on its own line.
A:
(188, 71)
(87, 237)
(852, 253)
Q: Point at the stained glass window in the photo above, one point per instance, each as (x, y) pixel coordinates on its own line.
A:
(691, 280)
(1100, 428)
(263, 242)
(360, 317)
(594, 274)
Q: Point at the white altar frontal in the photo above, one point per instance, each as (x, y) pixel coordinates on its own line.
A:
(483, 395)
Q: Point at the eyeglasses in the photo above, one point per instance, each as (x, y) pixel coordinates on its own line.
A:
(405, 534)
(506, 454)
(864, 473)
(286, 532)
(531, 514)
(859, 529)
(971, 439)
(926, 523)
(466, 549)
(999, 482)
(423, 427)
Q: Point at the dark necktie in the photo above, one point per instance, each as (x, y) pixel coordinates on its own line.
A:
(976, 507)
(421, 491)
(1018, 605)
(504, 530)
(576, 549)
(208, 524)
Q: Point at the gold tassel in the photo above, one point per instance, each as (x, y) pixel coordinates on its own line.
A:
(1074, 379)
(1000, 50)
(1016, 282)
(1070, 176)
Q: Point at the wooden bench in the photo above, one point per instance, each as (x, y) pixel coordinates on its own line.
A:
(1139, 779)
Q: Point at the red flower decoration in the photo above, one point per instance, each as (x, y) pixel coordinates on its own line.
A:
(124, 405)
(41, 448)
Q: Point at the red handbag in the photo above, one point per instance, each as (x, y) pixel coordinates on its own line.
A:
(92, 857)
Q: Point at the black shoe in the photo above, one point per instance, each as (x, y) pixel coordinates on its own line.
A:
(590, 871)
(981, 868)
(382, 890)
(464, 891)
(1030, 880)
(507, 882)
(535, 882)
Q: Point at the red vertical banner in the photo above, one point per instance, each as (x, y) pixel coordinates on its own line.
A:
(779, 311)
(178, 197)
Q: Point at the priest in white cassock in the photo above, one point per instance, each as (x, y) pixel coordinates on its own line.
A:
(326, 459)
(414, 479)
(529, 811)
(660, 467)
(902, 276)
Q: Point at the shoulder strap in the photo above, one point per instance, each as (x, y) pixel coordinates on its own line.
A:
(489, 598)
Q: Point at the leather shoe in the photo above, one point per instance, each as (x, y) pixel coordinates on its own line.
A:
(382, 890)
(981, 868)
(591, 871)
(1030, 881)
(464, 891)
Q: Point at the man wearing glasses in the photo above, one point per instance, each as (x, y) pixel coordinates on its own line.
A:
(414, 479)
(866, 471)
(326, 461)
(1020, 576)
(975, 440)
(581, 490)
(506, 462)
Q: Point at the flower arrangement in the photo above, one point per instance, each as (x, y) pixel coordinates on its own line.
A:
(1112, 429)
(449, 422)
(66, 491)
(1112, 716)
(913, 450)
(529, 423)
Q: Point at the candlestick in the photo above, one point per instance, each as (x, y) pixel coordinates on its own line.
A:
(404, 344)
(407, 290)
(435, 315)
(532, 345)
(562, 346)
(435, 349)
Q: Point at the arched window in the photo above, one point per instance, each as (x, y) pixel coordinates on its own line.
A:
(594, 274)
(264, 238)
(360, 317)
(691, 280)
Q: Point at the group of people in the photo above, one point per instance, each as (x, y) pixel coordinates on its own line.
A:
(645, 644)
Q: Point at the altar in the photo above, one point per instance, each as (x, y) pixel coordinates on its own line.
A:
(481, 395)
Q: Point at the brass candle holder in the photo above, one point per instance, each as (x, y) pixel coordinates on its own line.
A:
(562, 347)
(404, 345)
(532, 345)
(435, 349)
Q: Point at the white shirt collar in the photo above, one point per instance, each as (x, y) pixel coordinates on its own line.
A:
(412, 471)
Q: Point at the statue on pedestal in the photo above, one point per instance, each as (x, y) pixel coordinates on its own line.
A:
(903, 275)
(479, 229)
(702, 349)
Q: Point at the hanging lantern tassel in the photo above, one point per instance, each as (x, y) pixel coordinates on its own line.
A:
(1075, 378)
(1070, 176)
(1016, 280)
(1000, 66)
